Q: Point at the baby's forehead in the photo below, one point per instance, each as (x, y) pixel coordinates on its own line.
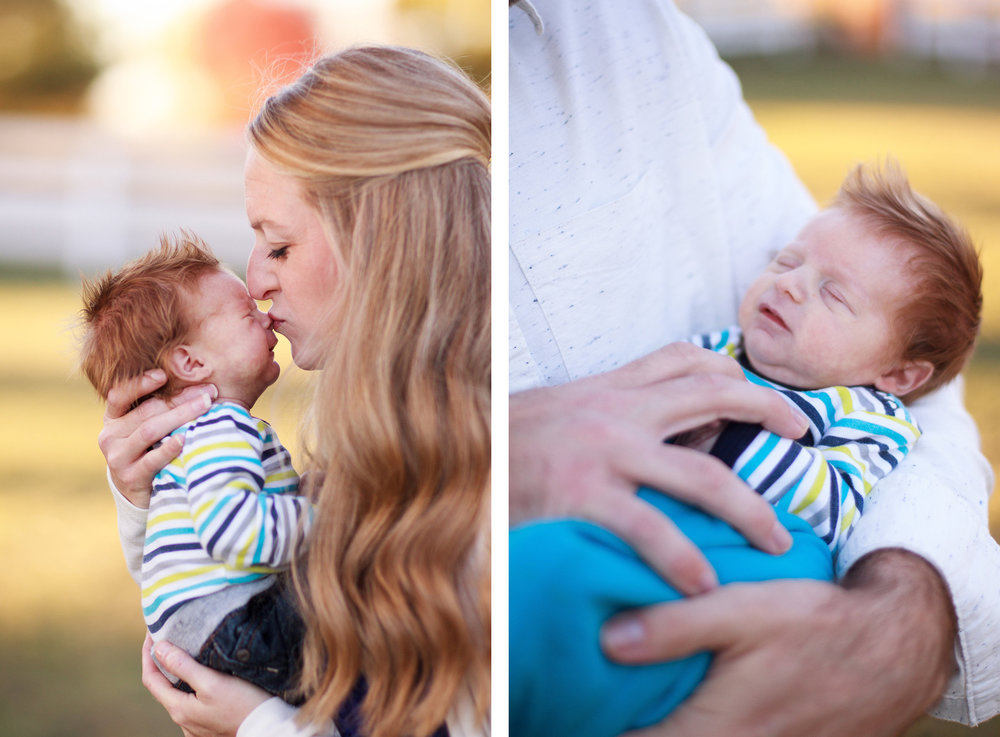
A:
(215, 292)
(220, 282)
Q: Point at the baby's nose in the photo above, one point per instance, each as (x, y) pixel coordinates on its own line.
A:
(791, 286)
(263, 318)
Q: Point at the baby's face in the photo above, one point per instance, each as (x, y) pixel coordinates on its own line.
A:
(233, 337)
(820, 314)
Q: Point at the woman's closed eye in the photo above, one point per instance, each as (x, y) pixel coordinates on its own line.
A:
(278, 253)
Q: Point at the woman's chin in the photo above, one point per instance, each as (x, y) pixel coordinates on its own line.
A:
(305, 359)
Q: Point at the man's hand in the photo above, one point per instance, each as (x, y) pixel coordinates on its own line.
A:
(800, 658)
(581, 450)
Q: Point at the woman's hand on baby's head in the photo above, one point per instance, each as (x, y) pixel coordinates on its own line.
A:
(129, 436)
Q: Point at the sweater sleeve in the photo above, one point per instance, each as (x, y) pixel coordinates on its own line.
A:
(935, 506)
(275, 718)
(826, 484)
(239, 521)
(131, 530)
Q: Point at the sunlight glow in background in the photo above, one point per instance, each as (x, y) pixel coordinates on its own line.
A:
(159, 78)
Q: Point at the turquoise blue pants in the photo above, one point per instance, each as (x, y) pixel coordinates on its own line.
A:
(567, 577)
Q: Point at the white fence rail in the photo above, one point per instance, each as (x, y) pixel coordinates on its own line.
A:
(74, 196)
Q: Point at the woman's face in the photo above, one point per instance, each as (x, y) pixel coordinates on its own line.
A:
(292, 263)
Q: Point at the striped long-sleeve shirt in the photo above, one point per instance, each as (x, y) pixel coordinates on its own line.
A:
(224, 512)
(856, 436)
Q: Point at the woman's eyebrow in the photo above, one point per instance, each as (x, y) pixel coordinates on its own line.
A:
(271, 225)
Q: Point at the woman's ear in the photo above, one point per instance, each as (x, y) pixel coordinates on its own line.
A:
(186, 364)
(905, 377)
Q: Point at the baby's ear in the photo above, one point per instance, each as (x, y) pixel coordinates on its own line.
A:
(186, 364)
(905, 377)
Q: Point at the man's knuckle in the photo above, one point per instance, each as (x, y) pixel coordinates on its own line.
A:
(595, 432)
(642, 530)
(682, 350)
(717, 383)
(714, 477)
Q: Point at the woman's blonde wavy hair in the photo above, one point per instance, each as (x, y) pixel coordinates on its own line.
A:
(392, 147)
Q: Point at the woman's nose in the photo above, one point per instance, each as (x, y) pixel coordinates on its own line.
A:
(260, 277)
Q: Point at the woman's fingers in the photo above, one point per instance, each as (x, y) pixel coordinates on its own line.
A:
(158, 685)
(128, 441)
(220, 702)
(199, 677)
(127, 436)
(125, 393)
(183, 409)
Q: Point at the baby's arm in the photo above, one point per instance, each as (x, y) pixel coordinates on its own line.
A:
(826, 484)
(237, 521)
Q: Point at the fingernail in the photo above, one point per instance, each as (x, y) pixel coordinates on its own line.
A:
(156, 374)
(162, 651)
(623, 634)
(781, 538)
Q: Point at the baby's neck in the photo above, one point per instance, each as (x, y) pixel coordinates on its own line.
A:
(244, 399)
(234, 400)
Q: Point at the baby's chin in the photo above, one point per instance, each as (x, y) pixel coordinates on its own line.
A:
(779, 373)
